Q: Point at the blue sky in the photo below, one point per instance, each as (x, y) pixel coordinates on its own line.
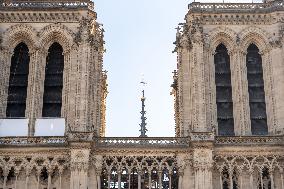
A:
(139, 40)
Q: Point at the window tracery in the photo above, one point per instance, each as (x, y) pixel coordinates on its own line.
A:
(223, 91)
(148, 172)
(261, 171)
(53, 83)
(18, 82)
(256, 92)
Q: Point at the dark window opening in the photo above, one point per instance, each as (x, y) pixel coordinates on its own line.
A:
(257, 103)
(223, 91)
(18, 82)
(226, 179)
(265, 181)
(53, 83)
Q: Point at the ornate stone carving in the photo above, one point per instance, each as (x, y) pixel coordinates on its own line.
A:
(202, 158)
(80, 136)
(80, 160)
(20, 33)
(196, 31)
(182, 39)
(58, 4)
(56, 33)
(148, 142)
(60, 162)
(197, 136)
(8, 17)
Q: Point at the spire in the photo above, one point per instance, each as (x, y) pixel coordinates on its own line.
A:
(143, 123)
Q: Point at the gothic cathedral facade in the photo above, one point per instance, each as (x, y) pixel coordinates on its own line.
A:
(228, 94)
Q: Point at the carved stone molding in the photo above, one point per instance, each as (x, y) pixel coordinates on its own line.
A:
(58, 4)
(40, 17)
(20, 33)
(202, 136)
(202, 158)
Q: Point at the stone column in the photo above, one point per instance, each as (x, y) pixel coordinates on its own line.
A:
(95, 97)
(5, 61)
(241, 179)
(202, 164)
(129, 178)
(198, 88)
(160, 173)
(180, 179)
(221, 178)
(269, 91)
(240, 93)
(261, 179)
(28, 173)
(82, 104)
(98, 167)
(184, 180)
(277, 79)
(49, 172)
(66, 85)
(139, 178)
(61, 170)
(5, 174)
(281, 177)
(79, 167)
(17, 172)
(99, 178)
(184, 82)
(119, 178)
(211, 87)
(251, 178)
(231, 172)
(170, 179)
(38, 178)
(33, 92)
(70, 89)
(27, 182)
(108, 181)
(36, 103)
(150, 179)
(271, 178)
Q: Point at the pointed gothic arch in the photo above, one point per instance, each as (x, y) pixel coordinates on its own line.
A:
(258, 115)
(20, 33)
(18, 82)
(222, 35)
(223, 84)
(53, 83)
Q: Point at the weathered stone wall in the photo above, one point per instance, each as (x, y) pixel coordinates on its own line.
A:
(84, 88)
(236, 28)
(196, 157)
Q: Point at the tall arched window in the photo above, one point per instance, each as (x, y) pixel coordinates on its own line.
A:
(223, 91)
(18, 82)
(53, 83)
(256, 91)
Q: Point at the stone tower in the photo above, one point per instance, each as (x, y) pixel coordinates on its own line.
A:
(61, 46)
(228, 90)
(217, 87)
(51, 57)
(229, 84)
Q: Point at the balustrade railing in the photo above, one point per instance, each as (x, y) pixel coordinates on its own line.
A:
(249, 140)
(141, 142)
(235, 7)
(31, 141)
(135, 142)
(47, 4)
